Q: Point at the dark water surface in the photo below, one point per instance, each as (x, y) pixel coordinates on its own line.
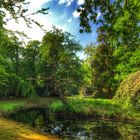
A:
(78, 130)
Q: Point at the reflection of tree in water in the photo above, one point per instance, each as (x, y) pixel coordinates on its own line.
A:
(67, 129)
(33, 117)
(72, 130)
(81, 132)
(95, 131)
(129, 132)
(105, 131)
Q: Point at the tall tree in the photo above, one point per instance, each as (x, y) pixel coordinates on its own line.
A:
(103, 66)
(11, 47)
(59, 64)
(30, 61)
(120, 21)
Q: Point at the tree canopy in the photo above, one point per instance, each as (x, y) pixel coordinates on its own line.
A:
(51, 67)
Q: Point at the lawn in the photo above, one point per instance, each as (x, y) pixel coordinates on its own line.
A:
(104, 108)
(12, 104)
(9, 105)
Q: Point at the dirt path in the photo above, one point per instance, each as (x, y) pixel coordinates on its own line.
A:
(11, 130)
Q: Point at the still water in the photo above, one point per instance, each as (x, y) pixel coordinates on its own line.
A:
(78, 130)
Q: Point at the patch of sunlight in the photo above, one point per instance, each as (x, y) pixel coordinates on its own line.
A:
(37, 137)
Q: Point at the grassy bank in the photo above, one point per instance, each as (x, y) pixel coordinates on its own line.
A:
(76, 109)
(11, 130)
(10, 105)
(89, 108)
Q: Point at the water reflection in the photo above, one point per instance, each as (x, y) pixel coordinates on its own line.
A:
(99, 130)
(86, 130)
(73, 130)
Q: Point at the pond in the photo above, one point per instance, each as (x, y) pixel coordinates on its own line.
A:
(78, 130)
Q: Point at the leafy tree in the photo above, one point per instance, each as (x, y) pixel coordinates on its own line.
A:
(11, 49)
(119, 40)
(127, 40)
(4, 82)
(30, 55)
(59, 64)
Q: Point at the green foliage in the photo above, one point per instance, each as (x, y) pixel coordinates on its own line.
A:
(59, 66)
(3, 82)
(101, 63)
(26, 89)
(57, 106)
(128, 93)
(30, 54)
(128, 62)
(39, 122)
(117, 53)
(52, 67)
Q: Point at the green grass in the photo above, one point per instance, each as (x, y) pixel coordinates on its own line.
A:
(10, 105)
(85, 104)
(89, 106)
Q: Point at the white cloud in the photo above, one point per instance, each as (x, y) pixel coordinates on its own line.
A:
(69, 20)
(35, 32)
(79, 2)
(99, 14)
(63, 16)
(76, 14)
(62, 1)
(67, 2)
(36, 4)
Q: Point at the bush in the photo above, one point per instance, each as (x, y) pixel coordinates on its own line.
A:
(128, 93)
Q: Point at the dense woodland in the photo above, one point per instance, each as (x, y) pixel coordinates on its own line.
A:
(52, 68)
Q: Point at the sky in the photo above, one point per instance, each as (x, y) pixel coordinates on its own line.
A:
(62, 14)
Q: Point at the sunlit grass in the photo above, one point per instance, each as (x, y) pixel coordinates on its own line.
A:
(85, 106)
(10, 105)
(89, 106)
(11, 130)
